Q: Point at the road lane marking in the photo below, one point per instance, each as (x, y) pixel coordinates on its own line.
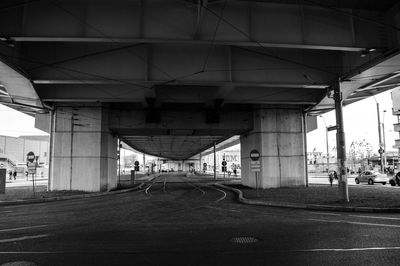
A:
(22, 228)
(345, 249)
(32, 252)
(5, 212)
(22, 238)
(358, 223)
(326, 213)
(375, 217)
(265, 251)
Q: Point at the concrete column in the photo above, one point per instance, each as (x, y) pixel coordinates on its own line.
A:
(278, 137)
(85, 152)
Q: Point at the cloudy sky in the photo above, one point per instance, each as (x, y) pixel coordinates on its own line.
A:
(360, 122)
(14, 124)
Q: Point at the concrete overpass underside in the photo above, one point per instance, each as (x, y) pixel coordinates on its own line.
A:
(171, 78)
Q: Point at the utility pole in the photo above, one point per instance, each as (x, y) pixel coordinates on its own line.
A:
(119, 162)
(144, 162)
(341, 144)
(51, 149)
(327, 143)
(200, 164)
(380, 135)
(215, 164)
(384, 140)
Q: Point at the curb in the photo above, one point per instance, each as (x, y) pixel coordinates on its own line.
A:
(81, 196)
(314, 207)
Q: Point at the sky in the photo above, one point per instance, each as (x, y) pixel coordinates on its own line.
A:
(15, 124)
(360, 122)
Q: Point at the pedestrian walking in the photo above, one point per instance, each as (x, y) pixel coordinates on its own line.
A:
(330, 175)
(10, 175)
(15, 175)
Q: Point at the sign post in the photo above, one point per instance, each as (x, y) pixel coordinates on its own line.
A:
(255, 166)
(31, 164)
(224, 166)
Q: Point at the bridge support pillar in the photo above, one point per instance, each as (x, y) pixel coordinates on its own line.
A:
(85, 152)
(278, 135)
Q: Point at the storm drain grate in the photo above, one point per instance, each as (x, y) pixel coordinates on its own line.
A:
(244, 240)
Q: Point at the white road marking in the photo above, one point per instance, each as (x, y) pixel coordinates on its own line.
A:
(358, 223)
(346, 249)
(326, 213)
(266, 251)
(31, 252)
(5, 212)
(375, 217)
(22, 238)
(22, 228)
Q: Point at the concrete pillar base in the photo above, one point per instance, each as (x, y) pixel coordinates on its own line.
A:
(85, 152)
(278, 135)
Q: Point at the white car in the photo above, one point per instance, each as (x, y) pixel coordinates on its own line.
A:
(372, 177)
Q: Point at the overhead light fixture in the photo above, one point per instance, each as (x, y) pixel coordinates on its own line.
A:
(364, 53)
(8, 41)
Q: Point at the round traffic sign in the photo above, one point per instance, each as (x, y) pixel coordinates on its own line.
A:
(254, 155)
(224, 163)
(30, 157)
(204, 164)
(381, 150)
(136, 163)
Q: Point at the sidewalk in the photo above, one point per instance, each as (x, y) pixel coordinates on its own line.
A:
(25, 183)
(363, 198)
(20, 193)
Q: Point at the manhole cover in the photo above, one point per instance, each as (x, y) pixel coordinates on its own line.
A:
(244, 240)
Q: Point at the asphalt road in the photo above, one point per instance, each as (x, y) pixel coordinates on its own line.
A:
(175, 220)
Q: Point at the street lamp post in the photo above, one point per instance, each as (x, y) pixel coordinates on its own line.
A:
(341, 143)
(384, 141)
(327, 143)
(380, 135)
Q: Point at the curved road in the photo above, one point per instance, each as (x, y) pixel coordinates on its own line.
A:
(178, 220)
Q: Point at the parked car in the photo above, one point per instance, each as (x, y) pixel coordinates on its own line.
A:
(395, 179)
(372, 177)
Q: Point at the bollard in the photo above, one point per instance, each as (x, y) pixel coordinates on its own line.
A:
(133, 176)
(3, 174)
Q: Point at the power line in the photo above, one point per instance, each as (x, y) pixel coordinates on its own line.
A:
(214, 35)
(82, 21)
(23, 3)
(85, 56)
(352, 15)
(260, 44)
